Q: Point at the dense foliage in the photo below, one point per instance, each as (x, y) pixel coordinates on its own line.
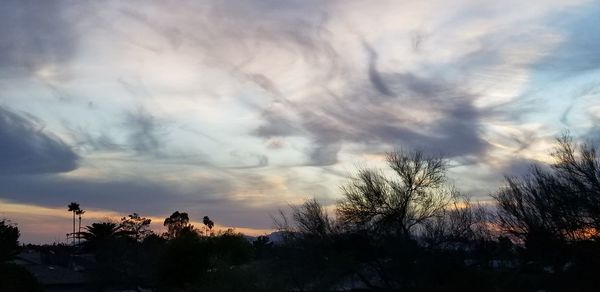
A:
(12, 276)
(9, 240)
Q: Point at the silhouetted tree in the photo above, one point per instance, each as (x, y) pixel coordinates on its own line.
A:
(136, 227)
(9, 240)
(410, 231)
(314, 255)
(459, 225)
(229, 258)
(397, 205)
(307, 219)
(311, 218)
(73, 207)
(150, 254)
(529, 209)
(578, 167)
(185, 260)
(107, 241)
(100, 235)
(229, 248)
(554, 211)
(556, 205)
(12, 276)
(262, 246)
(209, 224)
(176, 223)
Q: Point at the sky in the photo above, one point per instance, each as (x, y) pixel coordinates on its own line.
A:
(235, 109)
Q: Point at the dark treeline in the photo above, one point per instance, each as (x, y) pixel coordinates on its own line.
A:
(403, 229)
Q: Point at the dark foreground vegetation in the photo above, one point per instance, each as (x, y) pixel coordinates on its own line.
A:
(402, 229)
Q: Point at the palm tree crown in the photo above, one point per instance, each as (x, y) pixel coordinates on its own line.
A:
(73, 207)
(102, 233)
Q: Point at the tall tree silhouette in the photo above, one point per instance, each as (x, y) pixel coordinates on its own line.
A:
(79, 213)
(73, 207)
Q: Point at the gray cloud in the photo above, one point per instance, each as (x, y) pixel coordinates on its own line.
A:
(275, 124)
(374, 75)
(146, 132)
(121, 195)
(376, 109)
(34, 33)
(256, 160)
(322, 154)
(25, 147)
(153, 197)
(86, 141)
(101, 142)
(379, 111)
(214, 195)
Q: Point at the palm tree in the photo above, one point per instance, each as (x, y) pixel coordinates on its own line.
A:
(98, 235)
(73, 207)
(79, 213)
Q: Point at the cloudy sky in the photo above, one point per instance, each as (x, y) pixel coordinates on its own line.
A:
(233, 109)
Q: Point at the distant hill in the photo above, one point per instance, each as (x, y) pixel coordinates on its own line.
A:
(275, 237)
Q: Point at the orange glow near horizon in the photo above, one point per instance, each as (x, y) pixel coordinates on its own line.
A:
(50, 225)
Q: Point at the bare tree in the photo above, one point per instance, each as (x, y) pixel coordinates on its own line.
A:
(311, 218)
(418, 192)
(578, 168)
(307, 219)
(461, 223)
(526, 206)
(559, 204)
